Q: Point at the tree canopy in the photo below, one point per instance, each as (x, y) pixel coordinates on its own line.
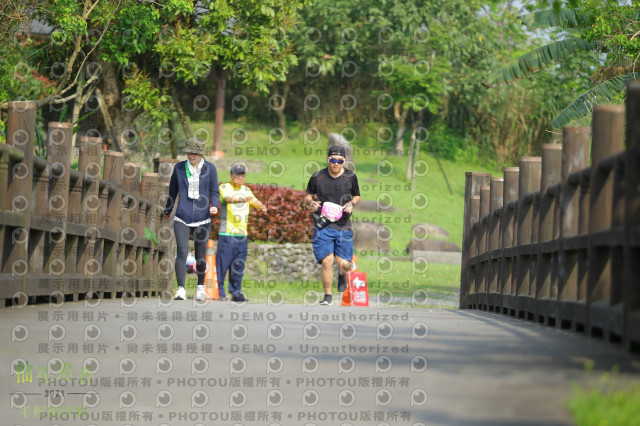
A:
(151, 68)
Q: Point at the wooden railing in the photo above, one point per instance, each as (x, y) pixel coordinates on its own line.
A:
(71, 235)
(558, 242)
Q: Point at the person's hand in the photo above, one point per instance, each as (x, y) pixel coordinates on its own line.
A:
(314, 205)
(166, 216)
(263, 208)
(213, 210)
(348, 208)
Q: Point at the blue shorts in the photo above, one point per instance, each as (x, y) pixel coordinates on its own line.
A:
(328, 241)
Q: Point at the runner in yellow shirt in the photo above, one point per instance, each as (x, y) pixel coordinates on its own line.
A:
(235, 200)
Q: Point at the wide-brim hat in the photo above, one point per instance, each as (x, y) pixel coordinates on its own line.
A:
(195, 146)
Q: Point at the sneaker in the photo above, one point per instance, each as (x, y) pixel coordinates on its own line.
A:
(327, 300)
(239, 297)
(342, 283)
(181, 294)
(201, 295)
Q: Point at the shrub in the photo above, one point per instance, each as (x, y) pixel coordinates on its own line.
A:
(286, 220)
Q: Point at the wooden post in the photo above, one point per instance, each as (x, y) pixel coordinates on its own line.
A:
(483, 226)
(506, 273)
(8, 157)
(149, 187)
(59, 137)
(547, 253)
(495, 207)
(608, 131)
(473, 182)
(529, 184)
(575, 157)
(129, 235)
(166, 238)
(474, 215)
(631, 291)
(90, 261)
(21, 124)
(112, 173)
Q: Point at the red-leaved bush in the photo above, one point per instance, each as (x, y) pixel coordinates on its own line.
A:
(286, 219)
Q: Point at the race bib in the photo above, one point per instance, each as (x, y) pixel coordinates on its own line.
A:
(331, 211)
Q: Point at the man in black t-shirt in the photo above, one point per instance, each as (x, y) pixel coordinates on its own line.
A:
(335, 185)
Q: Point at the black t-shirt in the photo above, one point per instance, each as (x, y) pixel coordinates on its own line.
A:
(338, 190)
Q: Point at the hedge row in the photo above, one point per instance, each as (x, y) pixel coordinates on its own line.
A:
(286, 219)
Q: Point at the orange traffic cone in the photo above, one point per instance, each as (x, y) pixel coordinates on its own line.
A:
(211, 276)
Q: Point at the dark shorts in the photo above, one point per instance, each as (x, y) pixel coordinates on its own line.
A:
(327, 241)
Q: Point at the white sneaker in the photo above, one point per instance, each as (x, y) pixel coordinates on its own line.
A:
(201, 295)
(181, 294)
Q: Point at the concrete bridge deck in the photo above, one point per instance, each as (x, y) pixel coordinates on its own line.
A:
(137, 362)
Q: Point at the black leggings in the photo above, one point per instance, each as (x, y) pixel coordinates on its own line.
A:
(200, 239)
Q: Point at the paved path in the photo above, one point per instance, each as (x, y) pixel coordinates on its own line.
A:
(145, 362)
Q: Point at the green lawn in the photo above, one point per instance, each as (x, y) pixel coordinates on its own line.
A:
(291, 163)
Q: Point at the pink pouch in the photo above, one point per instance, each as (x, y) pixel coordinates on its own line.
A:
(331, 211)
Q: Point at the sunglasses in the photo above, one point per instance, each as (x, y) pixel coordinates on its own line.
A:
(335, 161)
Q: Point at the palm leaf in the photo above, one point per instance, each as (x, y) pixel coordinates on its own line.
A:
(563, 18)
(539, 59)
(583, 104)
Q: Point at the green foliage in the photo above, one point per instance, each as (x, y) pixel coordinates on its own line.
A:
(143, 94)
(609, 90)
(447, 144)
(65, 17)
(18, 78)
(63, 113)
(133, 32)
(615, 26)
(609, 402)
(608, 27)
(416, 83)
(190, 58)
(564, 18)
(40, 147)
(176, 8)
(151, 235)
(540, 58)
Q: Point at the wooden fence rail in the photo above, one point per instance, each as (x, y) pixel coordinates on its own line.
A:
(70, 235)
(558, 241)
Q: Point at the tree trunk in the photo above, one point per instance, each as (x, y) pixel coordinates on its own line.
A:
(440, 165)
(108, 123)
(279, 106)
(220, 77)
(401, 117)
(416, 122)
(118, 120)
(78, 102)
(174, 143)
(415, 159)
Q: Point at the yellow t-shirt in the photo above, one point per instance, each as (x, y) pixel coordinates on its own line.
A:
(234, 217)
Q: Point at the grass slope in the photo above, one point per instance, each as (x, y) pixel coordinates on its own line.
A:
(291, 162)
